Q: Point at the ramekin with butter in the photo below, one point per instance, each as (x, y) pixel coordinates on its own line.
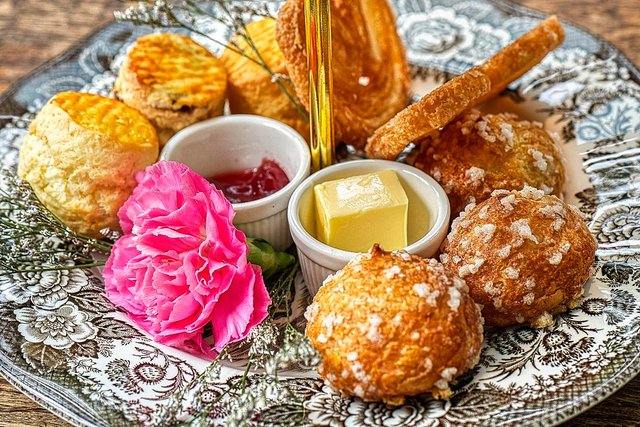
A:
(342, 210)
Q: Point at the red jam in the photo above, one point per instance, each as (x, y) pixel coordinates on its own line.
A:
(251, 184)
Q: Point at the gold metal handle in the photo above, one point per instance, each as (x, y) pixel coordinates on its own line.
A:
(317, 14)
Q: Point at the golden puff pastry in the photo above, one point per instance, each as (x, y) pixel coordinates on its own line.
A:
(476, 154)
(173, 81)
(391, 325)
(370, 72)
(251, 89)
(524, 255)
(80, 157)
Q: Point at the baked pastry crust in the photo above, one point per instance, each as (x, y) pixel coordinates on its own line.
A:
(479, 153)
(251, 89)
(391, 325)
(524, 255)
(370, 72)
(173, 81)
(80, 157)
(429, 114)
(520, 56)
(471, 88)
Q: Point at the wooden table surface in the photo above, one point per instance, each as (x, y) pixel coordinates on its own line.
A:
(33, 31)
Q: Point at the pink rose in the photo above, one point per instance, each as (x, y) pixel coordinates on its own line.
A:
(182, 265)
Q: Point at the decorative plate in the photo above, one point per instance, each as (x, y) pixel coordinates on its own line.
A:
(104, 372)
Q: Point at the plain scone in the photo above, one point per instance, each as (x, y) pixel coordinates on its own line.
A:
(173, 81)
(80, 157)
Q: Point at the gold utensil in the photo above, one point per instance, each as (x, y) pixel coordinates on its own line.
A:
(318, 37)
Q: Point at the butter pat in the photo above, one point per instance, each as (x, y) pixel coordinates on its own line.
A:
(354, 213)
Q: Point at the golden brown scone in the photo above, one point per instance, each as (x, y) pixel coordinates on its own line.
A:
(524, 255)
(443, 104)
(370, 72)
(173, 81)
(478, 153)
(80, 157)
(430, 113)
(251, 89)
(391, 325)
(520, 56)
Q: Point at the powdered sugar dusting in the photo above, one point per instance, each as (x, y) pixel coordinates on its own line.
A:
(512, 273)
(484, 131)
(531, 193)
(474, 176)
(508, 202)
(528, 298)
(390, 273)
(556, 257)
(472, 268)
(504, 251)
(538, 159)
(454, 298)
(485, 232)
(522, 229)
(374, 333)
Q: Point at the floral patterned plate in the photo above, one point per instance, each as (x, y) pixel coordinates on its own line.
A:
(102, 371)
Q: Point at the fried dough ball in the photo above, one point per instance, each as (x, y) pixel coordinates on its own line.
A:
(524, 255)
(479, 153)
(173, 81)
(81, 155)
(251, 89)
(370, 72)
(390, 325)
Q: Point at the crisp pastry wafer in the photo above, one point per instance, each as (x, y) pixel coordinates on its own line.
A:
(429, 114)
(520, 56)
(370, 73)
(173, 81)
(436, 108)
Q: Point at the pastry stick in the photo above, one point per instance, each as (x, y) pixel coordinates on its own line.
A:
(443, 104)
(429, 114)
(523, 54)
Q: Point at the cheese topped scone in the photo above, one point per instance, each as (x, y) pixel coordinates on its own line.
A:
(173, 81)
(81, 155)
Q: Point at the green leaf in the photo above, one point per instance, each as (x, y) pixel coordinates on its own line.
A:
(271, 261)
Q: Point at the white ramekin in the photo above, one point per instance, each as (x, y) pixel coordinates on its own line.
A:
(425, 195)
(232, 143)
